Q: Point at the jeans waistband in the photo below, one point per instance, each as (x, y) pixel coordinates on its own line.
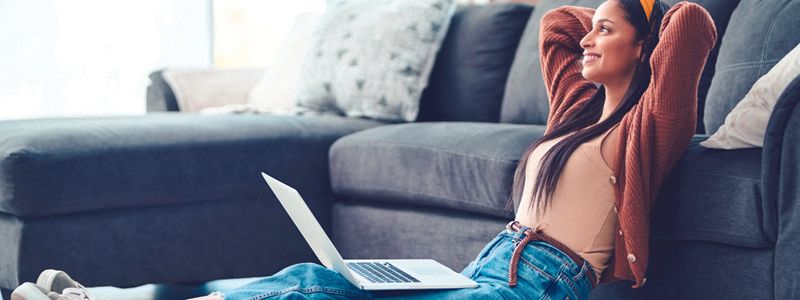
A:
(538, 235)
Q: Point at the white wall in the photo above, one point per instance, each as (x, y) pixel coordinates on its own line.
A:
(249, 33)
(92, 57)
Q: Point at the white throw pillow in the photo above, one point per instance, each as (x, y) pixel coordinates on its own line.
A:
(276, 91)
(372, 58)
(746, 125)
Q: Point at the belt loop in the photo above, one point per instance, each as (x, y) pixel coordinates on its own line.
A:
(525, 230)
(510, 225)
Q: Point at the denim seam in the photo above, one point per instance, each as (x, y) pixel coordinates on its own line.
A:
(482, 259)
(556, 255)
(537, 269)
(585, 268)
(498, 288)
(546, 294)
(309, 290)
(570, 284)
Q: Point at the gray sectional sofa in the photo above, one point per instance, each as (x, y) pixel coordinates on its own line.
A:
(177, 198)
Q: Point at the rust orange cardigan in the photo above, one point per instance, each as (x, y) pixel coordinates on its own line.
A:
(654, 134)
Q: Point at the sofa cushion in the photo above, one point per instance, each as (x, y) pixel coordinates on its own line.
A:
(713, 195)
(525, 98)
(460, 165)
(755, 40)
(56, 166)
(469, 76)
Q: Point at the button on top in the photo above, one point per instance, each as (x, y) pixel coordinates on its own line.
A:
(620, 233)
(612, 179)
(631, 258)
(644, 280)
(615, 209)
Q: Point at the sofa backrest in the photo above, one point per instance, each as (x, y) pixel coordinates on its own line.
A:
(759, 34)
(526, 97)
(525, 100)
(469, 76)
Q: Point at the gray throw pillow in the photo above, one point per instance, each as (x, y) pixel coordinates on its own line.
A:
(372, 58)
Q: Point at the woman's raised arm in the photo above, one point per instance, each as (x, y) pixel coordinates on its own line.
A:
(687, 35)
(560, 53)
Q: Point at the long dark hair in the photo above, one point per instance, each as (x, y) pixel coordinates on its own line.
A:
(585, 121)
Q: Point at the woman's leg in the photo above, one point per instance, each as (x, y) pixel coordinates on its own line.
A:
(299, 281)
(542, 271)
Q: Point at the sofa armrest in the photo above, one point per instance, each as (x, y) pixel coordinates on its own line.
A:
(159, 94)
(781, 178)
(190, 90)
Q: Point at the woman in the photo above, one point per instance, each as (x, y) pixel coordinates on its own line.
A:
(620, 139)
(614, 143)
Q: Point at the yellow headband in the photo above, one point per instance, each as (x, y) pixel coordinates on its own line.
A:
(648, 7)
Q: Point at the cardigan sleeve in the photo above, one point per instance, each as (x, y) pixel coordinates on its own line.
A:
(686, 37)
(560, 53)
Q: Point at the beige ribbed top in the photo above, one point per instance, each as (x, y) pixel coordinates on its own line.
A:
(581, 213)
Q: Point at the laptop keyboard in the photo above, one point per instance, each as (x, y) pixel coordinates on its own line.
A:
(380, 272)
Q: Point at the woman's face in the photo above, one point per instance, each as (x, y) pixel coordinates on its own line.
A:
(611, 51)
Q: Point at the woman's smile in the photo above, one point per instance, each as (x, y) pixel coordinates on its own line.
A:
(590, 58)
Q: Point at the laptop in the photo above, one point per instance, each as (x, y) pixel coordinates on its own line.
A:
(367, 274)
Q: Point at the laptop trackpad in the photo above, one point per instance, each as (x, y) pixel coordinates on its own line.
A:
(425, 267)
(428, 270)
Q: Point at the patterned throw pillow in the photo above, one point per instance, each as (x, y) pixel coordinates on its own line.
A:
(372, 58)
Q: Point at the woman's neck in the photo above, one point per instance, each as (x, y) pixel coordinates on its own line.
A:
(614, 93)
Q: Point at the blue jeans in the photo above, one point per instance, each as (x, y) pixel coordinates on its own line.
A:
(543, 272)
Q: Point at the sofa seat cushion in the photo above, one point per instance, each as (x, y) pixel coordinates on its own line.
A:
(57, 166)
(461, 165)
(713, 195)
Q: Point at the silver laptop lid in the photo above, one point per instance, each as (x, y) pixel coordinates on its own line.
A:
(309, 227)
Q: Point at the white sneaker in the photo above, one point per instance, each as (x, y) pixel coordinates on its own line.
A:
(59, 282)
(30, 291)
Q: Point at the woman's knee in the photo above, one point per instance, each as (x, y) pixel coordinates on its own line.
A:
(307, 270)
